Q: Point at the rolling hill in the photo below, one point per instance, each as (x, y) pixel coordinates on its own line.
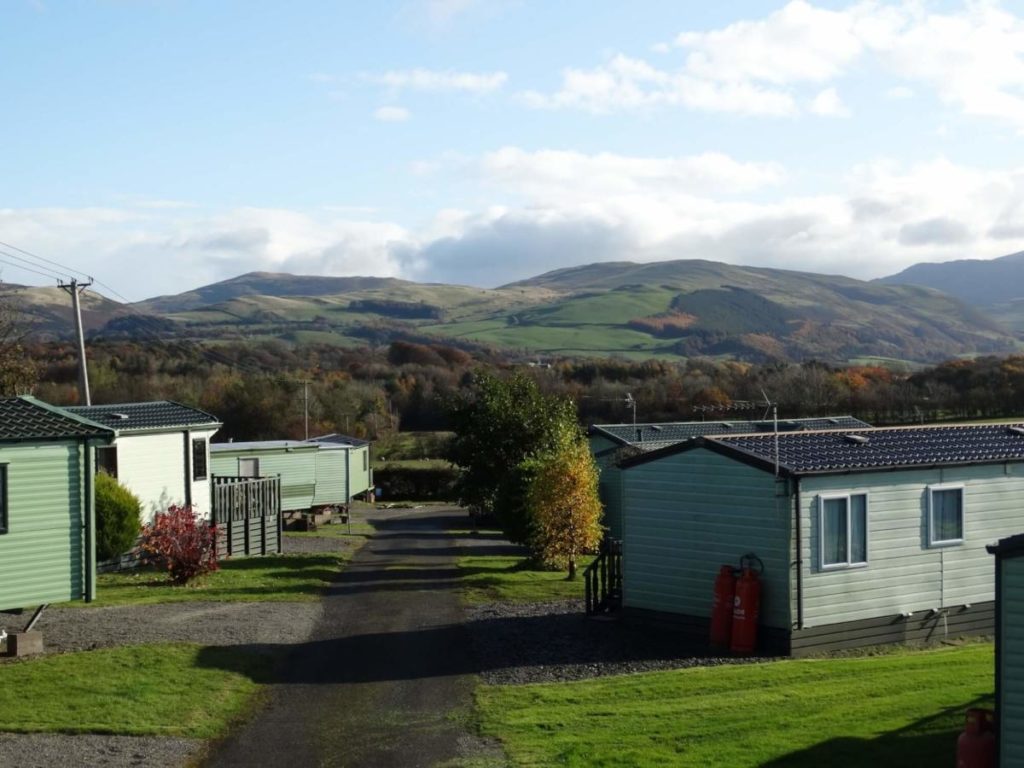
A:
(665, 309)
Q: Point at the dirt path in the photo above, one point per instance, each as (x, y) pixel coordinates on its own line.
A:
(386, 678)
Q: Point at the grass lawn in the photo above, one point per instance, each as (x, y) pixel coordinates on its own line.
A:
(898, 709)
(276, 577)
(167, 690)
(360, 530)
(496, 578)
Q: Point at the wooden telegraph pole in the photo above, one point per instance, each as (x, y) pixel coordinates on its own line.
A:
(75, 289)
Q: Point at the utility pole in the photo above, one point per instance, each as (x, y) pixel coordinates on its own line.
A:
(75, 289)
(305, 405)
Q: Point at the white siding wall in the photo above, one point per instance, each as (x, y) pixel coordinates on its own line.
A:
(201, 488)
(685, 515)
(903, 574)
(153, 468)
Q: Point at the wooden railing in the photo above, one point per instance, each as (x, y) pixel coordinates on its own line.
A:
(603, 579)
(247, 513)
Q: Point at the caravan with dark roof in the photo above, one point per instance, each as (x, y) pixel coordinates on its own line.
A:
(868, 536)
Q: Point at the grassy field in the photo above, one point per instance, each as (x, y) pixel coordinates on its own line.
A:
(898, 709)
(491, 578)
(166, 690)
(277, 577)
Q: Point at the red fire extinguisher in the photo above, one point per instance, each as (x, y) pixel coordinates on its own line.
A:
(721, 607)
(746, 606)
(976, 747)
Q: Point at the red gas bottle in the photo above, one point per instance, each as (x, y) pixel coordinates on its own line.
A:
(721, 607)
(746, 606)
(976, 747)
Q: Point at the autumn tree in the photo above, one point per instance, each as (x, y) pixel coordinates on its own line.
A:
(18, 373)
(499, 422)
(565, 511)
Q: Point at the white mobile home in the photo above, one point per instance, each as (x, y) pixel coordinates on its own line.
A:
(161, 452)
(867, 536)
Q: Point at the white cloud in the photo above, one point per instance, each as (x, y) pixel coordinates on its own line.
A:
(899, 93)
(439, 80)
(828, 104)
(392, 114)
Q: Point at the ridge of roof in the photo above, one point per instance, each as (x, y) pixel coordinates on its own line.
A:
(146, 415)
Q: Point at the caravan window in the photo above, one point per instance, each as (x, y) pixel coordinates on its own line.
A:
(248, 467)
(945, 515)
(843, 530)
(199, 458)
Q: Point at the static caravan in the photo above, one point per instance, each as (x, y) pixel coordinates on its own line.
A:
(1010, 650)
(161, 453)
(867, 536)
(47, 512)
(611, 443)
(294, 460)
(359, 474)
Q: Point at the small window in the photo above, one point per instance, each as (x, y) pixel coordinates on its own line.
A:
(248, 467)
(364, 461)
(843, 530)
(199, 458)
(106, 460)
(945, 515)
(3, 498)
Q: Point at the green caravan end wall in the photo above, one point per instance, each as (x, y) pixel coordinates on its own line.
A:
(609, 484)
(359, 470)
(685, 515)
(332, 476)
(42, 555)
(296, 466)
(1010, 647)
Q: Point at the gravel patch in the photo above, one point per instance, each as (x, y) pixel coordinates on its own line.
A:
(517, 643)
(56, 750)
(81, 629)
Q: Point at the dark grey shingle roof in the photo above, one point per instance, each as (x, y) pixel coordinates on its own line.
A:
(660, 435)
(881, 448)
(25, 418)
(132, 417)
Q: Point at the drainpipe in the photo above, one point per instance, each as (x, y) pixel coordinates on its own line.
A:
(90, 523)
(797, 518)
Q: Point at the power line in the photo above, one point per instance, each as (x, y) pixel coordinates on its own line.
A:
(29, 269)
(43, 258)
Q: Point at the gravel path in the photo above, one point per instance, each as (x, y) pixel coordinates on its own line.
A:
(550, 642)
(56, 750)
(315, 545)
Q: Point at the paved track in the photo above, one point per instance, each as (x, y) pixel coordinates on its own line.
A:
(386, 677)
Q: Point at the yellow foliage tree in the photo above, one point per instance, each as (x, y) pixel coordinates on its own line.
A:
(564, 506)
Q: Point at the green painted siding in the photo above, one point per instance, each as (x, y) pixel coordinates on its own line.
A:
(685, 515)
(359, 470)
(609, 484)
(297, 468)
(904, 574)
(1011, 657)
(331, 477)
(41, 556)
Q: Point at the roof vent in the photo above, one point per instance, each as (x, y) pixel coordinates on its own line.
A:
(726, 425)
(857, 439)
(833, 420)
(1015, 430)
(655, 427)
(119, 416)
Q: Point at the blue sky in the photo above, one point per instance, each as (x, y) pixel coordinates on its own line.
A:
(163, 144)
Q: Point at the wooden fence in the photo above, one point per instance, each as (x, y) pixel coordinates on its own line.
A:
(247, 513)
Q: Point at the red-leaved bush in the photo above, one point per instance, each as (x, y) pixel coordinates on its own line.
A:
(180, 542)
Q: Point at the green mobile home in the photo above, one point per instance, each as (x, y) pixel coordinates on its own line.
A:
(612, 443)
(1009, 570)
(294, 460)
(358, 473)
(47, 512)
(868, 536)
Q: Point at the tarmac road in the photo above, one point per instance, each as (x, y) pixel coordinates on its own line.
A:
(386, 678)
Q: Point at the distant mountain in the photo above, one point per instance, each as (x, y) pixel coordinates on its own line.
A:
(995, 285)
(664, 309)
(46, 312)
(980, 282)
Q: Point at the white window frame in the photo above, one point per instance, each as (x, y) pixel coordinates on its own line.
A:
(932, 541)
(822, 498)
(256, 465)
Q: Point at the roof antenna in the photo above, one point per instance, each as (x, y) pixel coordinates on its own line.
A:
(775, 429)
(631, 402)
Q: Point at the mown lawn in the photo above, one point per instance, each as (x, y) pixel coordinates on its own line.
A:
(276, 577)
(356, 532)
(167, 690)
(899, 709)
(496, 578)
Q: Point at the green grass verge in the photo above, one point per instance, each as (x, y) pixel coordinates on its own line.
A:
(276, 577)
(490, 578)
(359, 530)
(166, 690)
(897, 709)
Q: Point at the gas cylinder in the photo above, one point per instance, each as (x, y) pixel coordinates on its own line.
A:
(721, 607)
(746, 606)
(976, 747)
